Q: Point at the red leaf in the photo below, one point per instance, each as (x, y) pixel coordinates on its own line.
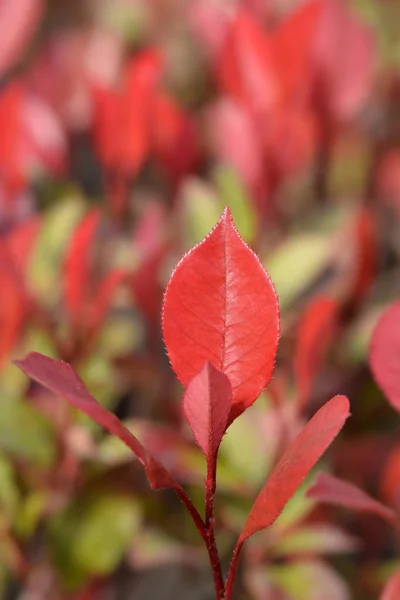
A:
(11, 102)
(18, 21)
(137, 109)
(365, 237)
(207, 403)
(336, 491)
(247, 66)
(77, 265)
(220, 305)
(12, 311)
(173, 137)
(293, 45)
(295, 464)
(315, 334)
(385, 353)
(392, 588)
(61, 379)
(390, 478)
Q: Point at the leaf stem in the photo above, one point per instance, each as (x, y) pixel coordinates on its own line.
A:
(210, 529)
(232, 571)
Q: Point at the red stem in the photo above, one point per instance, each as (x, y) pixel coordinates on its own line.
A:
(232, 571)
(210, 529)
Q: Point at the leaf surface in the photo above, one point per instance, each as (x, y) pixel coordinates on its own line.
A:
(315, 334)
(207, 404)
(384, 357)
(335, 491)
(295, 464)
(392, 588)
(220, 305)
(61, 379)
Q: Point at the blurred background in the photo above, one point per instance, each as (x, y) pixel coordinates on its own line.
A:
(126, 126)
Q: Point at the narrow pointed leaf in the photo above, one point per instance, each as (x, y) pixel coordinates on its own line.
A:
(335, 491)
(61, 379)
(392, 588)
(206, 404)
(220, 305)
(295, 464)
(384, 355)
(315, 334)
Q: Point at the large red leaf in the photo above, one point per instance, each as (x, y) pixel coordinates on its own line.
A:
(18, 21)
(336, 491)
(220, 305)
(316, 329)
(384, 355)
(62, 380)
(392, 588)
(295, 464)
(206, 404)
(77, 265)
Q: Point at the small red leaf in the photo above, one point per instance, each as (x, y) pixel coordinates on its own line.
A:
(77, 265)
(206, 404)
(220, 305)
(316, 330)
(392, 588)
(61, 379)
(295, 464)
(12, 312)
(384, 355)
(336, 491)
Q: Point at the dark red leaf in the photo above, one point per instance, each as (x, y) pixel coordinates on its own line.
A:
(336, 491)
(384, 357)
(220, 305)
(390, 478)
(316, 330)
(61, 379)
(295, 464)
(392, 588)
(367, 251)
(207, 403)
(18, 21)
(78, 265)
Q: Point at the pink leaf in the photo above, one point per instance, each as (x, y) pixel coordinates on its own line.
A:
(295, 464)
(62, 380)
(392, 588)
(220, 305)
(335, 491)
(77, 265)
(315, 334)
(207, 404)
(384, 355)
(18, 21)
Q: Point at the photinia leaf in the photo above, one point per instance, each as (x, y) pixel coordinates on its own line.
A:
(77, 265)
(220, 305)
(295, 464)
(390, 478)
(61, 379)
(12, 312)
(384, 357)
(367, 252)
(18, 21)
(336, 491)
(316, 330)
(392, 588)
(207, 403)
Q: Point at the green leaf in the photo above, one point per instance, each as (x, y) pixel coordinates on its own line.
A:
(309, 580)
(233, 194)
(201, 210)
(26, 433)
(9, 494)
